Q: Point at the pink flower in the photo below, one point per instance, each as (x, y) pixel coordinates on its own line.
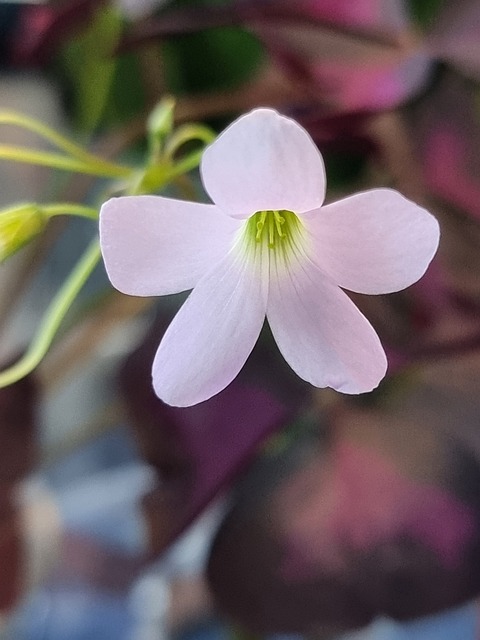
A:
(266, 247)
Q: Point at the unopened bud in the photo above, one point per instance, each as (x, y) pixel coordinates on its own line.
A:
(18, 226)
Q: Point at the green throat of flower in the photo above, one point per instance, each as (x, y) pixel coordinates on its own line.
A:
(274, 229)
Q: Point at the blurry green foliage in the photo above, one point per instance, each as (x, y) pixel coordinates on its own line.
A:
(90, 67)
(343, 169)
(127, 94)
(214, 59)
(105, 89)
(424, 12)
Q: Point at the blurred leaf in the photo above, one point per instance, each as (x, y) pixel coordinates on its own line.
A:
(219, 58)
(10, 553)
(455, 36)
(386, 15)
(203, 47)
(343, 169)
(123, 103)
(447, 130)
(9, 16)
(18, 454)
(199, 450)
(344, 142)
(425, 12)
(351, 54)
(380, 519)
(42, 29)
(91, 66)
(18, 445)
(349, 69)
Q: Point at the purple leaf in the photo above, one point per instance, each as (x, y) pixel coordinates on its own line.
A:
(455, 36)
(449, 141)
(345, 72)
(18, 453)
(381, 14)
(380, 519)
(10, 552)
(43, 29)
(199, 450)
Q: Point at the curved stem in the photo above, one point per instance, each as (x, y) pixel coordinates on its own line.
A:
(57, 140)
(53, 317)
(58, 161)
(185, 164)
(69, 208)
(188, 133)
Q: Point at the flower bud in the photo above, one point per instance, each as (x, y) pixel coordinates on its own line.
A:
(18, 226)
(160, 121)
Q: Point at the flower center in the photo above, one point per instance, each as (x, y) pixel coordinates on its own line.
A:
(273, 228)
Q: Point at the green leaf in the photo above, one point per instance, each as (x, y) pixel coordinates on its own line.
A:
(424, 12)
(219, 58)
(91, 66)
(127, 97)
(343, 169)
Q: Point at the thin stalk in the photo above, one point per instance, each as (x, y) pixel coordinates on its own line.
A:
(53, 317)
(187, 133)
(70, 209)
(58, 161)
(185, 165)
(57, 140)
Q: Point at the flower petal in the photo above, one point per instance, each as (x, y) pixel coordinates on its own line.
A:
(263, 161)
(155, 246)
(320, 332)
(212, 335)
(373, 242)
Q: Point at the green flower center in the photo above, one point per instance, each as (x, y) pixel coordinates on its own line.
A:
(275, 229)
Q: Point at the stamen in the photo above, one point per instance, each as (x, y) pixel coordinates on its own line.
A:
(271, 232)
(279, 222)
(275, 228)
(260, 225)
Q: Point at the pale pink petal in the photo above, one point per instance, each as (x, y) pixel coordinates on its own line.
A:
(213, 334)
(262, 162)
(155, 246)
(373, 242)
(320, 332)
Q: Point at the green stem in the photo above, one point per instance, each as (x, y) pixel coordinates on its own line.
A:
(57, 140)
(187, 133)
(58, 161)
(69, 208)
(185, 165)
(53, 317)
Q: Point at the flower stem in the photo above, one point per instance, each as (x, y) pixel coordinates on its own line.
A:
(188, 133)
(185, 164)
(97, 167)
(53, 317)
(59, 141)
(70, 209)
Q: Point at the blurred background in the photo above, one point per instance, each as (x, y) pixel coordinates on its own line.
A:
(273, 510)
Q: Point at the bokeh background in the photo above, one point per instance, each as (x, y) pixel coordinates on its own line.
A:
(273, 510)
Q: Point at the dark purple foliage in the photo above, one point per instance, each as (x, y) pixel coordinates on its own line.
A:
(377, 519)
(199, 450)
